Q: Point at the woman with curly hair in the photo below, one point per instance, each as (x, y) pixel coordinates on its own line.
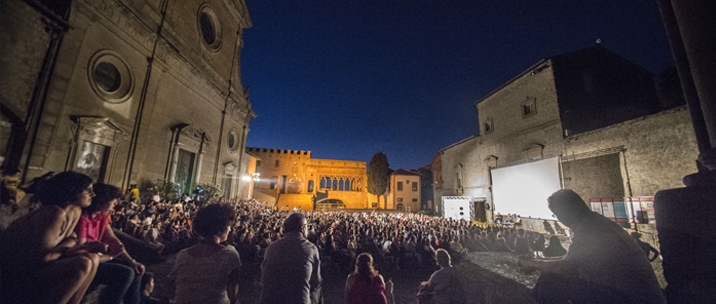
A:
(208, 272)
(365, 285)
(41, 260)
(120, 273)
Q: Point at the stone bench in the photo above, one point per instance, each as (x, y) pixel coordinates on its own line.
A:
(493, 277)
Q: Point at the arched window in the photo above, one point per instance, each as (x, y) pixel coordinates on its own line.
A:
(294, 185)
(310, 186)
(322, 183)
(348, 185)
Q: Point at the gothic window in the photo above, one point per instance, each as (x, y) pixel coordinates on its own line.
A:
(310, 186)
(294, 185)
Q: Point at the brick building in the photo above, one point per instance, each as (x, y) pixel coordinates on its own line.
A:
(589, 118)
(132, 90)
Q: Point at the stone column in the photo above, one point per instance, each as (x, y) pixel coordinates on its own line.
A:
(685, 217)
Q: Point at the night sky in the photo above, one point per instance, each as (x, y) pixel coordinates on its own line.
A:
(346, 79)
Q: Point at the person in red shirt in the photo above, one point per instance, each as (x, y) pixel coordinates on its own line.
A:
(118, 270)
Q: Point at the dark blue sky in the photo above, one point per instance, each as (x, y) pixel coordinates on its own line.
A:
(346, 79)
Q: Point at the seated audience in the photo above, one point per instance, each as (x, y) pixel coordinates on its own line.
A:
(41, 260)
(444, 285)
(365, 285)
(208, 272)
(117, 269)
(148, 288)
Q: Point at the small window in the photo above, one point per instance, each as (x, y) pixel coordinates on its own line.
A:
(400, 186)
(528, 107)
(489, 127)
(273, 182)
(400, 200)
(526, 110)
(415, 187)
(258, 163)
(415, 200)
(276, 164)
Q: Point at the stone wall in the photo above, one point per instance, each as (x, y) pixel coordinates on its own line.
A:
(23, 44)
(659, 150)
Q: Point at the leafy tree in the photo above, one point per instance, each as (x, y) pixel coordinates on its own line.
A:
(166, 189)
(378, 177)
(211, 191)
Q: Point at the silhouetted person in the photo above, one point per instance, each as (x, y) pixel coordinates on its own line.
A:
(554, 249)
(603, 265)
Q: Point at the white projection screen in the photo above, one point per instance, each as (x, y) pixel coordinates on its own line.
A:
(524, 188)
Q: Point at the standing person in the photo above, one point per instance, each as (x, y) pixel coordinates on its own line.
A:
(444, 285)
(117, 270)
(41, 261)
(208, 272)
(291, 270)
(365, 285)
(603, 265)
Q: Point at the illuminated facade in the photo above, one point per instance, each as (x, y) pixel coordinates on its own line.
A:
(291, 178)
(404, 191)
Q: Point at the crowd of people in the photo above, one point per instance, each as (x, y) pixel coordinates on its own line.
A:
(71, 235)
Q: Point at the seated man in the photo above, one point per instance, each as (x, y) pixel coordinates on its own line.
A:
(603, 264)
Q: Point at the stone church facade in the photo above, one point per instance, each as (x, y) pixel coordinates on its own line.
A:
(593, 110)
(135, 90)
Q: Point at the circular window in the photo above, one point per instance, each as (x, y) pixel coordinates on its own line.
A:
(107, 77)
(209, 28)
(110, 77)
(233, 140)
